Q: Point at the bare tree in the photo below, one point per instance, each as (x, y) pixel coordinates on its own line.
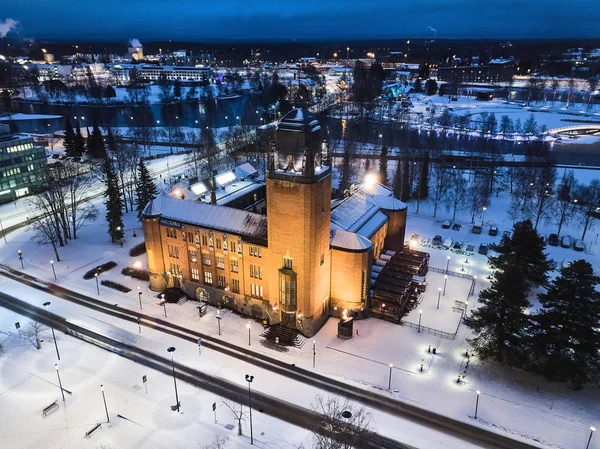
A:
(438, 185)
(239, 415)
(477, 195)
(456, 192)
(218, 443)
(341, 424)
(544, 179)
(587, 199)
(563, 205)
(571, 90)
(35, 332)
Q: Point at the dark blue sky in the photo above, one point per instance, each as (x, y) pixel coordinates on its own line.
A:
(302, 19)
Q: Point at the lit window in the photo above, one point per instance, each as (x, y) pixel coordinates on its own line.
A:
(208, 278)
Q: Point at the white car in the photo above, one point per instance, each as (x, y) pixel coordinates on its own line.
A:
(448, 243)
(579, 245)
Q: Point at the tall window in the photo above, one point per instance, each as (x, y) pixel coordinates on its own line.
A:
(235, 285)
(173, 251)
(174, 269)
(195, 274)
(204, 240)
(287, 263)
(172, 233)
(255, 251)
(221, 281)
(219, 244)
(232, 247)
(256, 290)
(255, 271)
(235, 268)
(287, 290)
(206, 259)
(220, 262)
(208, 278)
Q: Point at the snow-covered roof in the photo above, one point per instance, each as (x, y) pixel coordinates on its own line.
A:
(349, 241)
(231, 185)
(298, 120)
(221, 218)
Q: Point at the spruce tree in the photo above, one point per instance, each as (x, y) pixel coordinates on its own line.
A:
(500, 323)
(96, 148)
(397, 184)
(78, 143)
(114, 206)
(423, 188)
(405, 182)
(69, 142)
(383, 165)
(568, 327)
(146, 190)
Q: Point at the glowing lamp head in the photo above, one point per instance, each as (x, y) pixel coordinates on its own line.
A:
(370, 179)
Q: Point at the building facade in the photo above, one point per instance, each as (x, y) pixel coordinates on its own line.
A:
(306, 260)
(22, 165)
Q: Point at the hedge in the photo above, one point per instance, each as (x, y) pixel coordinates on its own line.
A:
(142, 275)
(99, 269)
(138, 250)
(116, 286)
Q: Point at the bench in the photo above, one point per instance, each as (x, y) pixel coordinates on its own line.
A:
(92, 430)
(50, 409)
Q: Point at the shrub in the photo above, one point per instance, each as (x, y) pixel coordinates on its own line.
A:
(99, 269)
(142, 275)
(116, 286)
(137, 250)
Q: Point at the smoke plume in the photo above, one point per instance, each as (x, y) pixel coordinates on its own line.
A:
(135, 43)
(8, 25)
(432, 29)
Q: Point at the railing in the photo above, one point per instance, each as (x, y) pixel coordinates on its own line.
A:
(452, 273)
(430, 330)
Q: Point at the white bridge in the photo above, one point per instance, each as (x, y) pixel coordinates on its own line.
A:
(592, 129)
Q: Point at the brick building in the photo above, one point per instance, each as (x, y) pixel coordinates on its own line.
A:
(307, 259)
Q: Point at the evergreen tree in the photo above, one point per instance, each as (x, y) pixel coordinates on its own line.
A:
(525, 248)
(418, 86)
(383, 165)
(96, 147)
(423, 189)
(78, 143)
(111, 143)
(177, 89)
(405, 196)
(568, 326)
(397, 184)
(69, 142)
(431, 86)
(114, 206)
(145, 189)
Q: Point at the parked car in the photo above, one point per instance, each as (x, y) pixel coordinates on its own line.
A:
(458, 245)
(476, 229)
(483, 249)
(448, 242)
(553, 240)
(437, 240)
(579, 245)
(456, 227)
(446, 224)
(565, 241)
(493, 230)
(506, 234)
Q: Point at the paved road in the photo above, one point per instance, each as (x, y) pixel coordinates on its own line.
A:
(454, 428)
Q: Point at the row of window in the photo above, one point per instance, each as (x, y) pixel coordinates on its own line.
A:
(16, 148)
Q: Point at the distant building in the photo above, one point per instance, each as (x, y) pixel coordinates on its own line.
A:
(136, 53)
(172, 73)
(123, 73)
(307, 260)
(497, 71)
(97, 71)
(22, 165)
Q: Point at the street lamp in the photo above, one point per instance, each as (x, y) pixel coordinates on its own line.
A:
(473, 285)
(314, 351)
(53, 270)
(390, 379)
(59, 381)
(483, 215)
(592, 430)
(439, 295)
(171, 350)
(97, 286)
(445, 280)
(249, 379)
(163, 301)
(477, 403)
(140, 296)
(105, 407)
(20, 254)
(248, 326)
(219, 318)
(447, 264)
(46, 305)
(420, 315)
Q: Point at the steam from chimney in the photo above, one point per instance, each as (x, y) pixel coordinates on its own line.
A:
(432, 29)
(135, 43)
(8, 25)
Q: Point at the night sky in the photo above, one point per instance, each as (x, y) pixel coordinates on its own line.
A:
(302, 19)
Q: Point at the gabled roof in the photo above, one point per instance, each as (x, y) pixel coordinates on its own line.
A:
(220, 218)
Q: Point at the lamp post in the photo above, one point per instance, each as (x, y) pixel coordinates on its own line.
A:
(249, 379)
(105, 406)
(439, 295)
(163, 301)
(46, 305)
(314, 351)
(53, 270)
(219, 318)
(592, 430)
(59, 381)
(97, 285)
(445, 280)
(140, 296)
(483, 215)
(477, 403)
(171, 350)
(447, 264)
(20, 254)
(390, 378)
(472, 292)
(248, 326)
(420, 315)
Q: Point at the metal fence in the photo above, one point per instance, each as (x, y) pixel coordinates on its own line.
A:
(430, 330)
(451, 273)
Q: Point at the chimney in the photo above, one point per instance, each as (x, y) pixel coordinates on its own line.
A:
(5, 44)
(213, 188)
